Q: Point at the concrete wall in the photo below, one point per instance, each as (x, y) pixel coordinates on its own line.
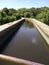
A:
(41, 27)
(7, 29)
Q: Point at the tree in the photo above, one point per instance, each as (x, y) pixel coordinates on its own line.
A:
(21, 11)
(5, 11)
(8, 15)
(1, 18)
(27, 14)
(18, 16)
(46, 19)
(12, 11)
(40, 17)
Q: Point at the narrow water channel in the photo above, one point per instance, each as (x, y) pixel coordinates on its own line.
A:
(27, 44)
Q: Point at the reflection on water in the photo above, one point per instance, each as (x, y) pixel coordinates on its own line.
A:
(28, 24)
(27, 44)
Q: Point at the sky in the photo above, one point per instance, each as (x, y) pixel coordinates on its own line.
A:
(16, 4)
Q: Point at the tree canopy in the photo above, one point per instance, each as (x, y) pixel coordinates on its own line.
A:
(9, 15)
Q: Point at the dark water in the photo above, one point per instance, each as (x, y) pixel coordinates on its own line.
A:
(27, 44)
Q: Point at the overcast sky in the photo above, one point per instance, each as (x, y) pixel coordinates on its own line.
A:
(23, 3)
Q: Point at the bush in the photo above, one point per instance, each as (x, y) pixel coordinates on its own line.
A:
(1, 21)
(8, 19)
(46, 19)
(40, 17)
(12, 18)
(27, 14)
(5, 20)
(18, 16)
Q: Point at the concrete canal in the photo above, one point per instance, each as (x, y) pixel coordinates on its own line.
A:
(27, 44)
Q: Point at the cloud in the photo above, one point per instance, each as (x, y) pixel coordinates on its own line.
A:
(6, 1)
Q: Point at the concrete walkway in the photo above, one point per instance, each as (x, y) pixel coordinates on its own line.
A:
(41, 27)
(5, 26)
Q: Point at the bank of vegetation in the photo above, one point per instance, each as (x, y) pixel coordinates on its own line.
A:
(9, 15)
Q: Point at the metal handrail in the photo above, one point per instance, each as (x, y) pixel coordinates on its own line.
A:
(17, 60)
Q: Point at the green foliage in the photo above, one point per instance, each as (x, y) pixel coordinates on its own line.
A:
(12, 11)
(21, 11)
(1, 18)
(1, 21)
(8, 19)
(18, 16)
(5, 11)
(40, 17)
(27, 14)
(46, 19)
(9, 15)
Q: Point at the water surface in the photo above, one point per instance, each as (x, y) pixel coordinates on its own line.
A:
(28, 44)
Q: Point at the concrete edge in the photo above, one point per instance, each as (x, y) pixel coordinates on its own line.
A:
(6, 28)
(40, 28)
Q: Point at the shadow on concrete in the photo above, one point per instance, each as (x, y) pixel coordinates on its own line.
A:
(6, 42)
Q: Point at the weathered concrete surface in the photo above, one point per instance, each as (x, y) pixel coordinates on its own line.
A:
(41, 27)
(7, 29)
(5, 26)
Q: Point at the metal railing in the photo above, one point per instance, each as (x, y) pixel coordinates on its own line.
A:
(17, 60)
